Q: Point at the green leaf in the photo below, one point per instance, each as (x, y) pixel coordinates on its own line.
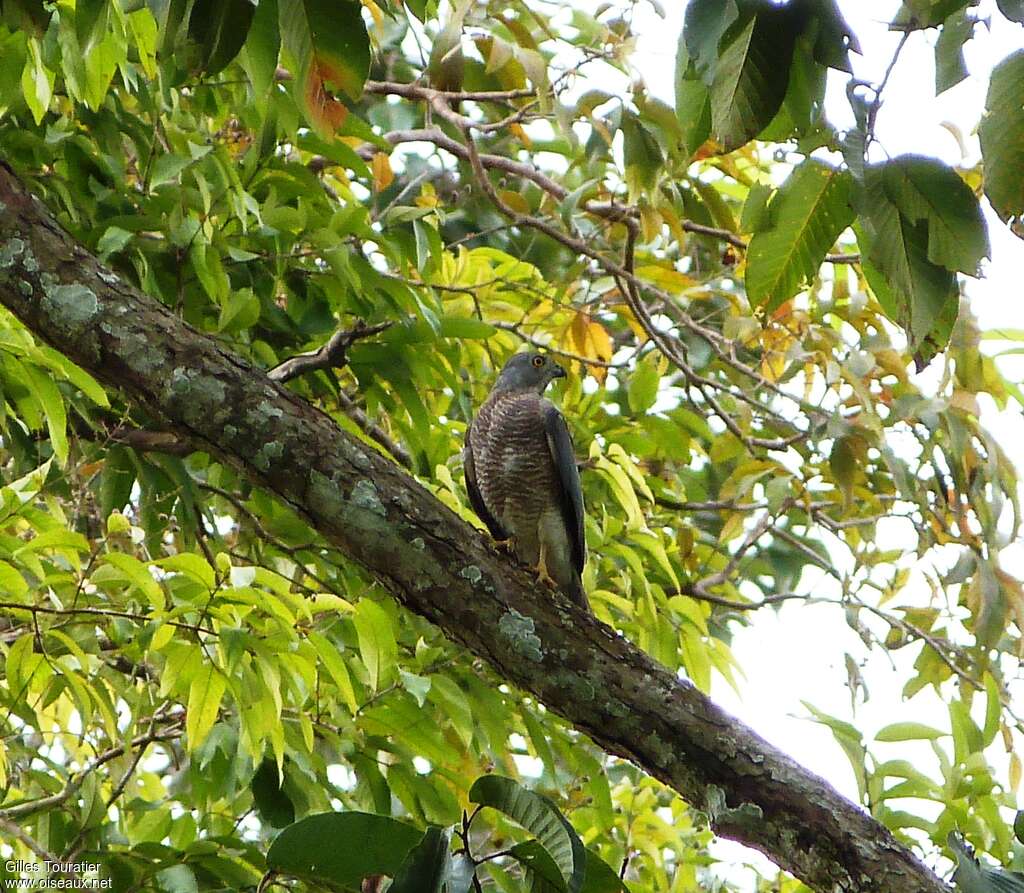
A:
(262, 48)
(220, 28)
(641, 153)
(427, 866)
(601, 877)
(752, 75)
(927, 191)
(693, 102)
(191, 565)
(538, 815)
(342, 847)
(918, 14)
(1002, 141)
(915, 293)
(1012, 9)
(138, 576)
(377, 645)
(806, 217)
(272, 801)
(330, 46)
(36, 82)
(950, 67)
(909, 731)
(643, 384)
(204, 696)
(335, 665)
(166, 169)
(971, 877)
(755, 216)
(45, 391)
(704, 24)
(169, 15)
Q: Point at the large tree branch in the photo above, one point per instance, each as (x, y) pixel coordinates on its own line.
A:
(437, 565)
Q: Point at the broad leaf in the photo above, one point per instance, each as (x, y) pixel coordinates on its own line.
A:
(1002, 141)
(927, 191)
(331, 49)
(204, 696)
(693, 104)
(971, 877)
(342, 847)
(538, 815)
(376, 641)
(272, 801)
(1012, 9)
(752, 75)
(428, 866)
(950, 66)
(917, 294)
(219, 27)
(806, 217)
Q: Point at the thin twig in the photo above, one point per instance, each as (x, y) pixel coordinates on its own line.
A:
(331, 355)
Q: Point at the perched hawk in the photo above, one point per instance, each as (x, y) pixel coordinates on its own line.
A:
(521, 474)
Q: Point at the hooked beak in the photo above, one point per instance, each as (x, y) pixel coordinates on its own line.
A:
(558, 371)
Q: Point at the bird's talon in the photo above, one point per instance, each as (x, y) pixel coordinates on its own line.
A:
(507, 546)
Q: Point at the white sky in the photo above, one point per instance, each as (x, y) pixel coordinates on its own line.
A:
(798, 654)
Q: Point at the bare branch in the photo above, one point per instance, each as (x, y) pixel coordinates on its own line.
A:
(331, 355)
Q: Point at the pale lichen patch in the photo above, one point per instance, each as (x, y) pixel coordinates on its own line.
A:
(472, 573)
(70, 307)
(267, 454)
(324, 495)
(520, 631)
(364, 495)
(10, 251)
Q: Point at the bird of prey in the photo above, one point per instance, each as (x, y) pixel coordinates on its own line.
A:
(521, 474)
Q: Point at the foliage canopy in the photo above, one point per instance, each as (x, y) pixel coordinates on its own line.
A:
(189, 666)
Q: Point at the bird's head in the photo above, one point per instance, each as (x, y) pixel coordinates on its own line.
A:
(528, 372)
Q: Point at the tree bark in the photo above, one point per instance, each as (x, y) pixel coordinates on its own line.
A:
(437, 565)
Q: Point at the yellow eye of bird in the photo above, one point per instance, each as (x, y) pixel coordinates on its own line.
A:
(538, 361)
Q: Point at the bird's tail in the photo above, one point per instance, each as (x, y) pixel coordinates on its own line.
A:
(576, 592)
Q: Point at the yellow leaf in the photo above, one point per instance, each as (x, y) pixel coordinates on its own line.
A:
(375, 12)
(514, 200)
(520, 134)
(383, 176)
(204, 696)
(588, 338)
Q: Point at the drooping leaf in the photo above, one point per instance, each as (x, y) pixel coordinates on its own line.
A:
(376, 641)
(914, 15)
(641, 153)
(752, 74)
(540, 817)
(693, 103)
(950, 67)
(220, 28)
(927, 191)
(972, 877)
(272, 801)
(331, 48)
(806, 217)
(917, 294)
(204, 697)
(1012, 9)
(1002, 141)
(342, 847)
(428, 866)
(704, 24)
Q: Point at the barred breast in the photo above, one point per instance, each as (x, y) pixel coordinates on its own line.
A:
(514, 470)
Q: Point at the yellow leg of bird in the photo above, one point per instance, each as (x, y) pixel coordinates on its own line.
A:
(507, 546)
(542, 569)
